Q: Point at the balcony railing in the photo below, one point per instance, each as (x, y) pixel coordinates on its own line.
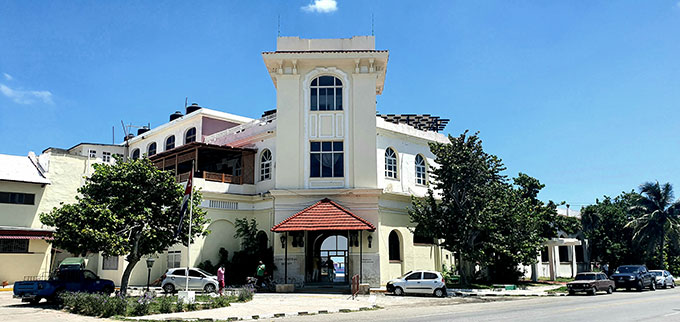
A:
(212, 176)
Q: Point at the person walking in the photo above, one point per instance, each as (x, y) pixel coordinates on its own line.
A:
(260, 274)
(315, 267)
(220, 278)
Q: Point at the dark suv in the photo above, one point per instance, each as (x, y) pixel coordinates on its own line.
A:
(634, 276)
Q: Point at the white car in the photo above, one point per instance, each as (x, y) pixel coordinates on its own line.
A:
(663, 278)
(418, 282)
(175, 279)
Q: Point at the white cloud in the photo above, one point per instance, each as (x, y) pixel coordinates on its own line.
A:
(26, 97)
(8, 76)
(321, 6)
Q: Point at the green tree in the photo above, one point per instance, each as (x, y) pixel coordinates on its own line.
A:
(126, 209)
(604, 225)
(466, 179)
(480, 216)
(656, 217)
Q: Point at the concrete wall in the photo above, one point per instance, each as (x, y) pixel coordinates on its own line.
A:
(15, 267)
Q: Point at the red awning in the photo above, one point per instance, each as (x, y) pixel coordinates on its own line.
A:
(24, 233)
(323, 215)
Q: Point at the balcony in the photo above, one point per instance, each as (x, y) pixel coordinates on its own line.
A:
(213, 163)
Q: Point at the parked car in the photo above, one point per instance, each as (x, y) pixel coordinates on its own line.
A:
(591, 283)
(65, 279)
(634, 276)
(418, 282)
(175, 279)
(663, 278)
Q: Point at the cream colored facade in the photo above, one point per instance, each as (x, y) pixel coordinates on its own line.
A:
(242, 185)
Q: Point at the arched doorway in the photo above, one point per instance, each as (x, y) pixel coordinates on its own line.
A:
(328, 258)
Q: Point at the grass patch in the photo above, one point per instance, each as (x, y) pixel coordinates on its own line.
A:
(562, 289)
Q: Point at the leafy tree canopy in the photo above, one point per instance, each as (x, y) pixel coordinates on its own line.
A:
(481, 216)
(126, 209)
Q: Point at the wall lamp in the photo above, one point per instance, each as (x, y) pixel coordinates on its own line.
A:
(370, 240)
(283, 240)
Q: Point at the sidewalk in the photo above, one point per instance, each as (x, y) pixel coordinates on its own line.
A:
(270, 305)
(540, 290)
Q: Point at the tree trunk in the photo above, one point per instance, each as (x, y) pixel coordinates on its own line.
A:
(132, 260)
(126, 274)
(466, 271)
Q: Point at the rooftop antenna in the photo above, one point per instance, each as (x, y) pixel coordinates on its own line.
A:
(186, 101)
(372, 25)
(278, 28)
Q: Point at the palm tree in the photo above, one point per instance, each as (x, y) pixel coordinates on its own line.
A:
(656, 217)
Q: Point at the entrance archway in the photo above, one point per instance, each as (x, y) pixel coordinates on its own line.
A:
(328, 258)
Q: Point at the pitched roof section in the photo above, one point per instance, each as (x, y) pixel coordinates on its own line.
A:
(323, 215)
(21, 169)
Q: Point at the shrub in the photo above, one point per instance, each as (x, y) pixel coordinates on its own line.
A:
(165, 304)
(218, 301)
(179, 305)
(192, 306)
(142, 305)
(245, 294)
(116, 305)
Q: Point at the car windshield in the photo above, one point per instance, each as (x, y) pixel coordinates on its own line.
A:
(404, 276)
(585, 277)
(627, 269)
(656, 273)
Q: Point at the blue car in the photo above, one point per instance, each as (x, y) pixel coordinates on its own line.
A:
(65, 280)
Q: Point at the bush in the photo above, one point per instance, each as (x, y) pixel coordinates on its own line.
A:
(218, 301)
(245, 294)
(192, 306)
(179, 305)
(142, 305)
(116, 305)
(165, 304)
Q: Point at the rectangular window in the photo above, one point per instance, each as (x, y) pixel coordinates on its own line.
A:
(93, 154)
(564, 253)
(110, 263)
(106, 156)
(174, 258)
(13, 245)
(579, 253)
(17, 198)
(544, 254)
(326, 159)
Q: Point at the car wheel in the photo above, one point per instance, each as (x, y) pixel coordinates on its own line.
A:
(209, 288)
(439, 292)
(673, 284)
(571, 292)
(639, 286)
(398, 291)
(652, 286)
(610, 290)
(664, 285)
(35, 301)
(169, 288)
(593, 291)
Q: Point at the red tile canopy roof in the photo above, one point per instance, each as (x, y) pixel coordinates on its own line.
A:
(323, 215)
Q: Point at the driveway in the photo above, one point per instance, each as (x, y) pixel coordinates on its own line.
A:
(14, 310)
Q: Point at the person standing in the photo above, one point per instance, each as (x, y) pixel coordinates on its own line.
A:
(260, 274)
(220, 278)
(316, 268)
(331, 270)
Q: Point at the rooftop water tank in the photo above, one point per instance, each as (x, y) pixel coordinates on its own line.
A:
(142, 130)
(192, 108)
(175, 115)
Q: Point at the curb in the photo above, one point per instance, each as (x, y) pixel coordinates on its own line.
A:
(269, 316)
(465, 294)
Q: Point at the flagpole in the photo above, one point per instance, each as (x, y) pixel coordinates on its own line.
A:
(191, 208)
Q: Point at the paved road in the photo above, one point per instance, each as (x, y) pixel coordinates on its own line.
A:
(661, 305)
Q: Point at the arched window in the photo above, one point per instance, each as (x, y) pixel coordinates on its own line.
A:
(421, 170)
(265, 165)
(170, 143)
(390, 163)
(326, 94)
(190, 136)
(135, 154)
(151, 150)
(395, 246)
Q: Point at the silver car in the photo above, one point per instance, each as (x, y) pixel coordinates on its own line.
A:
(419, 282)
(175, 279)
(663, 278)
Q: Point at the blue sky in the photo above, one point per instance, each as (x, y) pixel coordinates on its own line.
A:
(583, 95)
